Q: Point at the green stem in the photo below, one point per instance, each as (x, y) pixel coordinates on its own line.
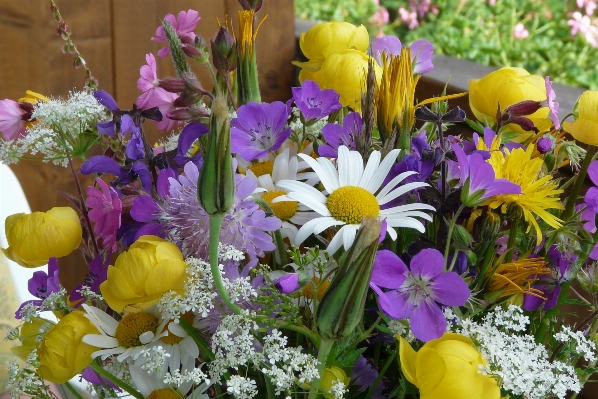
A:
(269, 387)
(488, 252)
(73, 390)
(215, 224)
(198, 339)
(581, 176)
(324, 350)
(381, 374)
(512, 240)
(118, 382)
(450, 234)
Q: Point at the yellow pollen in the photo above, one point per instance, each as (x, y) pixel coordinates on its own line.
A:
(132, 326)
(262, 168)
(164, 393)
(350, 204)
(175, 339)
(284, 210)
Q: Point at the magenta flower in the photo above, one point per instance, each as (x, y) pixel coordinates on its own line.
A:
(259, 129)
(105, 213)
(553, 106)
(183, 25)
(11, 123)
(416, 293)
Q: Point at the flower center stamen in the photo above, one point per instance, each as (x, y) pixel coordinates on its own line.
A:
(284, 210)
(164, 393)
(175, 339)
(350, 204)
(262, 168)
(132, 326)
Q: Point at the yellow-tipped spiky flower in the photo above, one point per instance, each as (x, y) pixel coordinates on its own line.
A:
(247, 75)
(516, 277)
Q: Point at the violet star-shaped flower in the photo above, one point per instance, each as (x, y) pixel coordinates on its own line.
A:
(415, 294)
(41, 285)
(550, 284)
(421, 52)
(183, 25)
(259, 129)
(315, 103)
(337, 135)
(478, 179)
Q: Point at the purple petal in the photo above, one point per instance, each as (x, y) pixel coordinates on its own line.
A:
(552, 297)
(189, 134)
(388, 270)
(532, 302)
(145, 209)
(107, 128)
(427, 263)
(105, 99)
(390, 45)
(450, 289)
(393, 303)
(163, 185)
(591, 199)
(427, 321)
(134, 148)
(101, 164)
(421, 52)
(288, 283)
(593, 172)
(144, 175)
(91, 376)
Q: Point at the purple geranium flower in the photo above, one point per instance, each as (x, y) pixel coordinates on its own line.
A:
(97, 274)
(41, 285)
(416, 293)
(550, 284)
(337, 135)
(315, 103)
(421, 52)
(553, 106)
(478, 179)
(259, 129)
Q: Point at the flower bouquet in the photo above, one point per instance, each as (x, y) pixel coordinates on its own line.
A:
(341, 245)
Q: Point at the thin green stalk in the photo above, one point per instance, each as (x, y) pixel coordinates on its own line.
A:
(269, 387)
(381, 374)
(215, 224)
(198, 339)
(450, 234)
(512, 240)
(74, 392)
(581, 176)
(324, 350)
(118, 382)
(488, 252)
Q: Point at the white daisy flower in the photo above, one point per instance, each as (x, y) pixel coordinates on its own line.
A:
(152, 383)
(139, 332)
(268, 174)
(351, 193)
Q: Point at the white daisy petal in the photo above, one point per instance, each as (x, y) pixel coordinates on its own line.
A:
(397, 192)
(408, 207)
(336, 242)
(101, 320)
(370, 170)
(266, 182)
(393, 183)
(391, 232)
(349, 235)
(382, 171)
(105, 353)
(189, 347)
(100, 341)
(300, 218)
(344, 166)
(330, 175)
(306, 230)
(326, 223)
(407, 222)
(410, 214)
(297, 186)
(146, 337)
(174, 361)
(309, 201)
(356, 168)
(177, 330)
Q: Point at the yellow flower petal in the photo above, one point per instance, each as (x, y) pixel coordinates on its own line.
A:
(168, 275)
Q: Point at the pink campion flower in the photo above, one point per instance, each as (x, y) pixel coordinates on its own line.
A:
(154, 96)
(590, 5)
(492, 2)
(380, 18)
(519, 31)
(183, 25)
(409, 18)
(11, 123)
(105, 209)
(553, 106)
(582, 24)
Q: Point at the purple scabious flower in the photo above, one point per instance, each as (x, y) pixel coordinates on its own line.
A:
(553, 106)
(315, 103)
(550, 284)
(337, 135)
(421, 52)
(41, 285)
(184, 221)
(416, 292)
(259, 129)
(478, 182)
(105, 209)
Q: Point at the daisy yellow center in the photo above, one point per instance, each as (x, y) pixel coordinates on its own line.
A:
(175, 339)
(132, 326)
(164, 393)
(262, 168)
(284, 210)
(350, 204)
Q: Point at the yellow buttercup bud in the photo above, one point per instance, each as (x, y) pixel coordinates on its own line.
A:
(142, 274)
(35, 238)
(448, 368)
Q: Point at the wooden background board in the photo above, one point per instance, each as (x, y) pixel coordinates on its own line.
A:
(114, 36)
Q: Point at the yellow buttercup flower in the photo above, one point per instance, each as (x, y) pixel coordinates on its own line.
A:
(506, 87)
(585, 127)
(447, 368)
(34, 238)
(331, 376)
(28, 335)
(62, 353)
(142, 274)
(328, 38)
(538, 193)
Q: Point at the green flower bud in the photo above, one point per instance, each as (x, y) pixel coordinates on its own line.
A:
(461, 237)
(341, 307)
(488, 227)
(550, 161)
(514, 211)
(216, 183)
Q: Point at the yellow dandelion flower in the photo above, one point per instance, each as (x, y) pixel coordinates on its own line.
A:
(538, 192)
